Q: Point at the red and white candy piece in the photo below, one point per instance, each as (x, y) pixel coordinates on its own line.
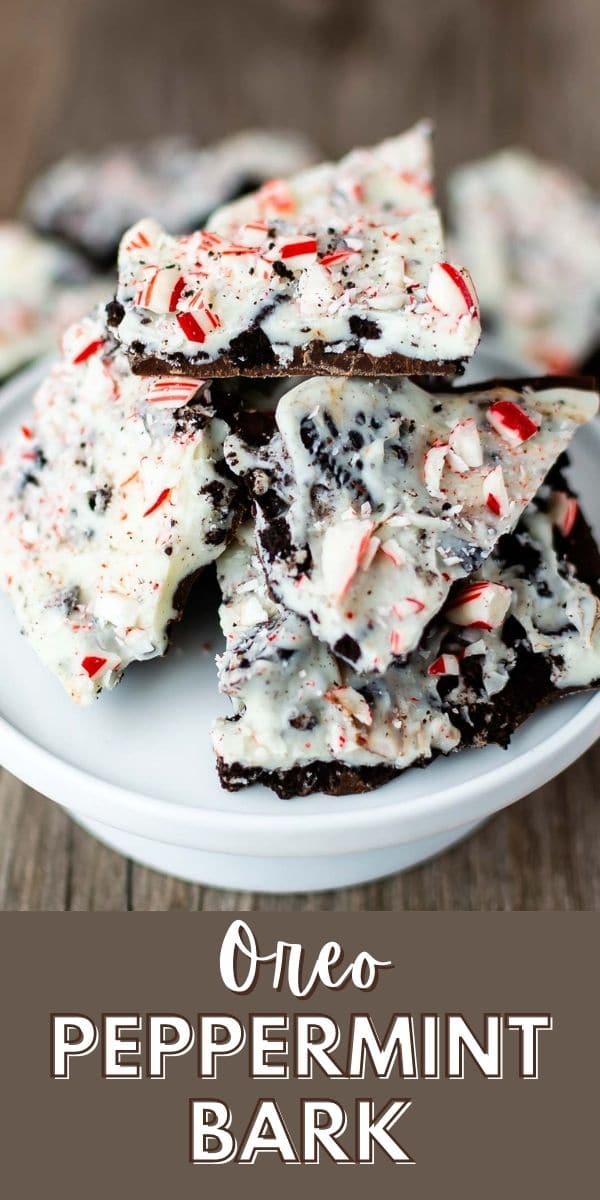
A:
(197, 324)
(298, 253)
(82, 341)
(160, 290)
(140, 238)
(204, 314)
(336, 258)
(451, 290)
(344, 548)
(511, 422)
(253, 234)
(495, 493)
(190, 327)
(172, 391)
(415, 604)
(564, 511)
(237, 248)
(465, 446)
(93, 664)
(480, 605)
(370, 552)
(204, 241)
(397, 642)
(433, 468)
(97, 665)
(160, 500)
(352, 703)
(446, 664)
(394, 552)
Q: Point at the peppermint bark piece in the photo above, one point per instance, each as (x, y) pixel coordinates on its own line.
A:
(43, 289)
(305, 722)
(374, 497)
(341, 270)
(530, 232)
(113, 496)
(89, 200)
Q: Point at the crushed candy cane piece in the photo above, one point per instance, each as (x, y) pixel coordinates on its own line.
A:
(417, 605)
(164, 495)
(446, 664)
(511, 422)
(308, 246)
(564, 511)
(160, 290)
(464, 441)
(253, 233)
(174, 390)
(351, 702)
(451, 290)
(495, 493)
(91, 664)
(392, 550)
(344, 547)
(397, 644)
(435, 461)
(190, 327)
(480, 605)
(176, 294)
(203, 314)
(141, 236)
(91, 348)
(338, 256)
(370, 552)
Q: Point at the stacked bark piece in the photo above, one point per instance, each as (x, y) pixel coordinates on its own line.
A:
(394, 559)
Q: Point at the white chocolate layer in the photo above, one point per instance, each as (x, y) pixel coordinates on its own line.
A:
(110, 499)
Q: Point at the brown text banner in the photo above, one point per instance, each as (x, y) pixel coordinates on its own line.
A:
(155, 1054)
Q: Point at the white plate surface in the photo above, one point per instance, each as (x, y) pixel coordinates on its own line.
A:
(140, 760)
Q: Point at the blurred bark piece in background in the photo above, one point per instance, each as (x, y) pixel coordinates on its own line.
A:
(80, 73)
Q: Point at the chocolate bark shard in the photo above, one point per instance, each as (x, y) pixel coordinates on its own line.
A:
(305, 722)
(529, 231)
(341, 270)
(374, 497)
(113, 496)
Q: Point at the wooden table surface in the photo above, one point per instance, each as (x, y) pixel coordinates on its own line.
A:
(78, 73)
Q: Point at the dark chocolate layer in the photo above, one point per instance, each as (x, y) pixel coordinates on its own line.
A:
(312, 360)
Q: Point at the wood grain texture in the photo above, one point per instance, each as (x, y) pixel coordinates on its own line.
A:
(77, 73)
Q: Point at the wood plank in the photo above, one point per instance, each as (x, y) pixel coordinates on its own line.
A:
(34, 850)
